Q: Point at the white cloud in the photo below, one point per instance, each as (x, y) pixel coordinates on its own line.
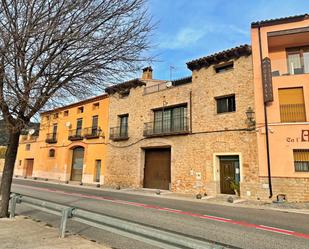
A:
(189, 36)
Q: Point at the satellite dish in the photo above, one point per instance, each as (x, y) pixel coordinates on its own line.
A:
(31, 131)
(169, 84)
(68, 124)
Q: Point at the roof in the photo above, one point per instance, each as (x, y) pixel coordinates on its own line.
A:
(182, 81)
(82, 102)
(281, 20)
(225, 55)
(124, 86)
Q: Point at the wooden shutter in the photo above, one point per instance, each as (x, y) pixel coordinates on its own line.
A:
(292, 106)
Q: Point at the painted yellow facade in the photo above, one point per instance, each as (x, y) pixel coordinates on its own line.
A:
(52, 151)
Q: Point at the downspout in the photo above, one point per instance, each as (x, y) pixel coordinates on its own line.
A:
(266, 123)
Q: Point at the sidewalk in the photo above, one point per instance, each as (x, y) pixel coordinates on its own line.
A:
(302, 208)
(24, 233)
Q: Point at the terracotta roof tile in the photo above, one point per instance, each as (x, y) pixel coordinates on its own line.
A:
(280, 20)
(242, 50)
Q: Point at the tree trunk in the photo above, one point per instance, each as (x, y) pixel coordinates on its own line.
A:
(7, 174)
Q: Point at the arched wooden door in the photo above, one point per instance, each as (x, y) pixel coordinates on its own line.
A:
(77, 164)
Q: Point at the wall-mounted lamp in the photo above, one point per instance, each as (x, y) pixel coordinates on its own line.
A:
(250, 117)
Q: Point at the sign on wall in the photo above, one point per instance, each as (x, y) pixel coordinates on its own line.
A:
(304, 137)
(267, 80)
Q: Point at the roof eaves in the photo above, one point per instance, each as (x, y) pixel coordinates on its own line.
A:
(281, 20)
(124, 86)
(225, 55)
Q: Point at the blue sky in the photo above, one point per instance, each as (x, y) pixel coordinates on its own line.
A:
(190, 29)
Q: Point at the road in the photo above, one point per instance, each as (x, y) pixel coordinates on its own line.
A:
(234, 226)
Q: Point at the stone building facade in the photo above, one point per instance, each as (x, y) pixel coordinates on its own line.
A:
(204, 143)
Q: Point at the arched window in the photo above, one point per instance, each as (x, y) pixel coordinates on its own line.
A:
(52, 153)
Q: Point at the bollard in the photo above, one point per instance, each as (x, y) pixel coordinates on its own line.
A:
(65, 215)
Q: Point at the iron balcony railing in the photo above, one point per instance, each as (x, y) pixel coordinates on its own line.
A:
(174, 126)
(51, 138)
(76, 134)
(293, 113)
(92, 132)
(119, 133)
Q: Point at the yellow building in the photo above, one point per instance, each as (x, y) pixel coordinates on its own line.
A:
(70, 146)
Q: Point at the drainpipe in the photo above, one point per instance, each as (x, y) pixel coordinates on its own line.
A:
(266, 124)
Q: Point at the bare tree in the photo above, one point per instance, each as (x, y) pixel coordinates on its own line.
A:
(52, 49)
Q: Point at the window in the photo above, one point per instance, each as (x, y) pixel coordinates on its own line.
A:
(95, 106)
(170, 119)
(47, 118)
(79, 125)
(301, 160)
(298, 60)
(292, 106)
(55, 115)
(51, 153)
(66, 113)
(54, 134)
(94, 127)
(27, 146)
(224, 67)
(123, 127)
(80, 109)
(97, 170)
(226, 104)
(19, 163)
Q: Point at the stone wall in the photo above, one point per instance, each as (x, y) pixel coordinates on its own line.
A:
(194, 157)
(295, 189)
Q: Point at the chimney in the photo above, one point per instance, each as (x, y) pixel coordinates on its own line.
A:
(147, 73)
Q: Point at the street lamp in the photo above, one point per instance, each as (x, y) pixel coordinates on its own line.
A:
(250, 117)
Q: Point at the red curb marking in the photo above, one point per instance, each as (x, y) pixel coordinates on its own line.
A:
(170, 210)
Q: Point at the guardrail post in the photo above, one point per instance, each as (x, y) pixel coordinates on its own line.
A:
(13, 202)
(66, 213)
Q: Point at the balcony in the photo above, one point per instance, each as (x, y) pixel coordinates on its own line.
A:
(51, 138)
(119, 133)
(167, 127)
(285, 67)
(92, 132)
(75, 135)
(292, 113)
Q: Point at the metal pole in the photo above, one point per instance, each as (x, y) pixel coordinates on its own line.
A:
(266, 126)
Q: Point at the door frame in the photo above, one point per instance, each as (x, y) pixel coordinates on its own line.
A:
(72, 161)
(144, 149)
(26, 163)
(216, 167)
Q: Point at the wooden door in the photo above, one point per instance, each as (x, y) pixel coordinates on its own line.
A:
(227, 175)
(157, 171)
(77, 164)
(29, 167)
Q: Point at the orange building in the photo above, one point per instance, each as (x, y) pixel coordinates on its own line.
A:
(70, 146)
(284, 158)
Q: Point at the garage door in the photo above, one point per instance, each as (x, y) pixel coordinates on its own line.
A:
(157, 171)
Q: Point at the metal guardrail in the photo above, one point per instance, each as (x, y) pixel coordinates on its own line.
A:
(143, 233)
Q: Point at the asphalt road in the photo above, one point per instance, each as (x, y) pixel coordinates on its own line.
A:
(234, 226)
